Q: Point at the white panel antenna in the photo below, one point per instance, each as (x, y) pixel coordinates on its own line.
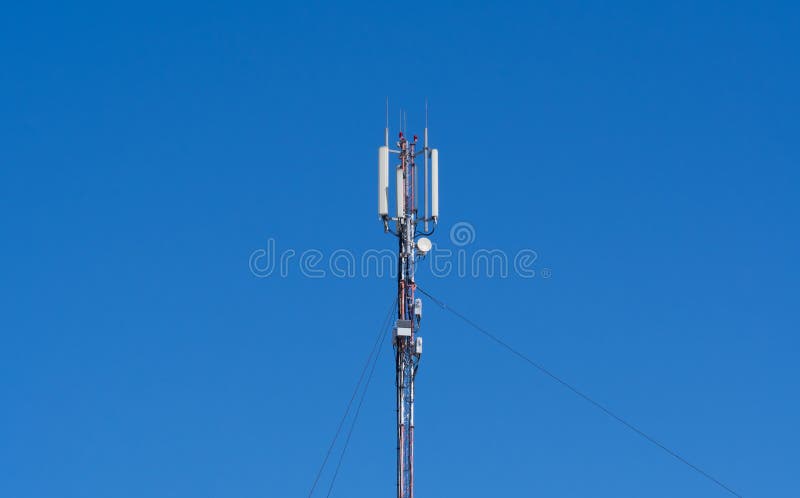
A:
(383, 181)
(401, 193)
(435, 184)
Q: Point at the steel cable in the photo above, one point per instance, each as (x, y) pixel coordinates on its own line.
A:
(576, 391)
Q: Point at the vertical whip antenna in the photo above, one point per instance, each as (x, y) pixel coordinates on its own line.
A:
(386, 130)
(425, 153)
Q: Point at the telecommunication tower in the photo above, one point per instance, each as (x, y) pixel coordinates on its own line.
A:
(413, 244)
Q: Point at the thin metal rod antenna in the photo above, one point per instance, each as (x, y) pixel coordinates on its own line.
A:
(386, 130)
(425, 154)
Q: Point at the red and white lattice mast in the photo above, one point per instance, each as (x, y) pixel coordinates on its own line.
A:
(411, 230)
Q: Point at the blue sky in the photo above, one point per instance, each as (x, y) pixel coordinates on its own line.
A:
(646, 152)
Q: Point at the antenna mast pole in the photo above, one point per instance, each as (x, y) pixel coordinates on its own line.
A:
(412, 246)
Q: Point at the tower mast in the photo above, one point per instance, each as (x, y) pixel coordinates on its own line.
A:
(412, 245)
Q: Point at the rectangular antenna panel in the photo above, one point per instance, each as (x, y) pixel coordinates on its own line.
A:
(383, 181)
(401, 193)
(435, 183)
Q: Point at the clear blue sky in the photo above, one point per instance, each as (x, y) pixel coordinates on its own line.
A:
(647, 152)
